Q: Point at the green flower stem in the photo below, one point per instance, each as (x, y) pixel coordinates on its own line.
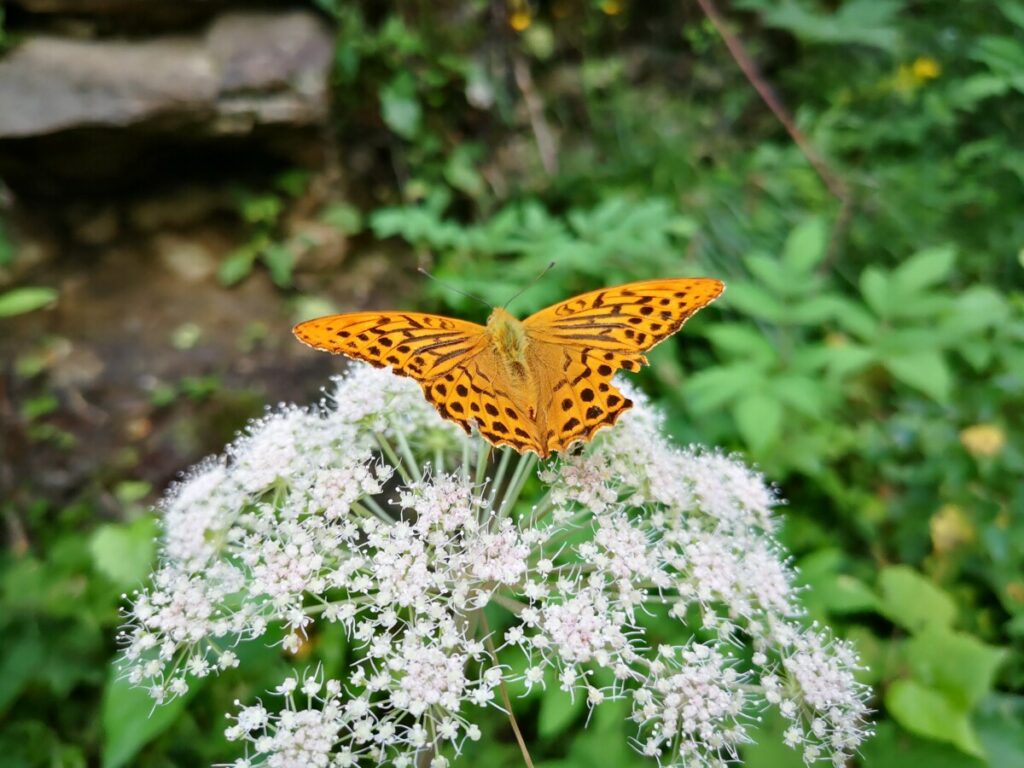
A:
(392, 457)
(499, 477)
(369, 506)
(483, 455)
(411, 464)
(515, 486)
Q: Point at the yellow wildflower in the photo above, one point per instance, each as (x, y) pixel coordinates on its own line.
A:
(611, 7)
(925, 68)
(520, 20)
(950, 527)
(983, 440)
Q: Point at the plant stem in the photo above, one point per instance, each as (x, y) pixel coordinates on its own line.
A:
(499, 477)
(515, 486)
(504, 693)
(392, 457)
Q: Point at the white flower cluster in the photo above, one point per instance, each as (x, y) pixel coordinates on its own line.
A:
(372, 513)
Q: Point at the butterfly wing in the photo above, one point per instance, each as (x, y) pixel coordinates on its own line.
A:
(412, 343)
(580, 343)
(451, 359)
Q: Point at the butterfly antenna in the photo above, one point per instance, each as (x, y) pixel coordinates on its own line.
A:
(530, 284)
(452, 288)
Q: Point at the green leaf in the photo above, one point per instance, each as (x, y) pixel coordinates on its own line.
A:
(912, 601)
(124, 552)
(874, 286)
(848, 359)
(894, 747)
(22, 656)
(924, 269)
(344, 217)
(998, 722)
(130, 719)
(961, 666)
(752, 300)
(767, 748)
(1012, 10)
(237, 266)
(743, 341)
(558, 710)
(28, 299)
(832, 591)
(801, 393)
(925, 371)
(400, 108)
(871, 23)
(759, 419)
(768, 271)
(711, 388)
(929, 713)
(805, 246)
(279, 260)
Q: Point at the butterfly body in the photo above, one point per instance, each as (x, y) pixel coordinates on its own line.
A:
(539, 384)
(508, 336)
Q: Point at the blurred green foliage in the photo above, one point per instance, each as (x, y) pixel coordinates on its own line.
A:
(868, 354)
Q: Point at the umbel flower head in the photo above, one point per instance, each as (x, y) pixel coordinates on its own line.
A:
(371, 513)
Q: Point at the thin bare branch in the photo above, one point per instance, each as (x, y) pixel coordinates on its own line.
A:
(832, 181)
(535, 108)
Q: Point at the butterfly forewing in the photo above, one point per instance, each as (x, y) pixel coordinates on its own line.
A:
(629, 319)
(413, 344)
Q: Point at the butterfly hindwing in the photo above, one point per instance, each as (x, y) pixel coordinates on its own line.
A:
(477, 395)
(581, 400)
(413, 344)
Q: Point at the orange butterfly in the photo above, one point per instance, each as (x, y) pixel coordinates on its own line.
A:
(538, 385)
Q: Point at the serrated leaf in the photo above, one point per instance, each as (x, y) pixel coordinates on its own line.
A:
(805, 246)
(759, 420)
(754, 301)
(28, 299)
(874, 286)
(925, 371)
(743, 341)
(929, 713)
(711, 388)
(848, 359)
(768, 271)
(912, 601)
(924, 269)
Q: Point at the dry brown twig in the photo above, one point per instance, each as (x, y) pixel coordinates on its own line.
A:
(739, 53)
(833, 182)
(535, 109)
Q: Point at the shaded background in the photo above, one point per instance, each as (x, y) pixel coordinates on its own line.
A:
(184, 180)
